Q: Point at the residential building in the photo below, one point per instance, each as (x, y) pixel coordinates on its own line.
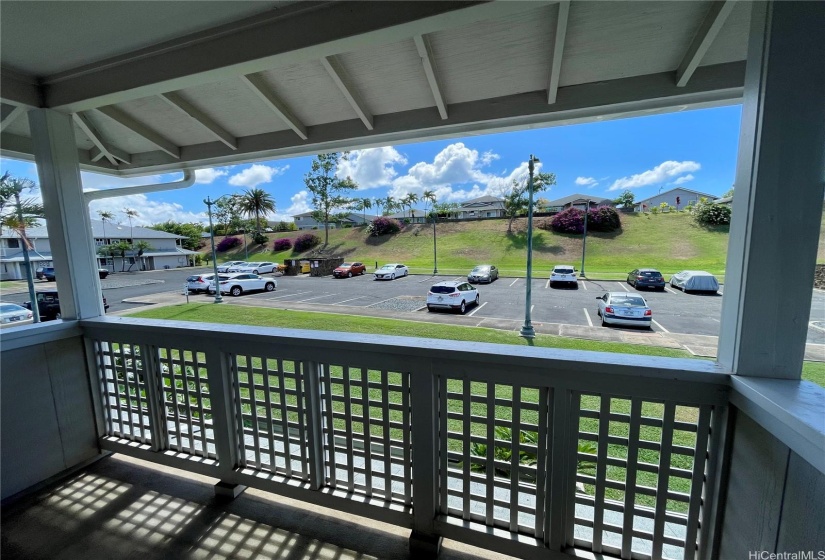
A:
(481, 207)
(307, 221)
(414, 216)
(579, 201)
(684, 196)
(165, 249)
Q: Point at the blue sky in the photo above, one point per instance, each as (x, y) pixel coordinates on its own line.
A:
(695, 149)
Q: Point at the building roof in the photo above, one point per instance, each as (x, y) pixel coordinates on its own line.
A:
(706, 195)
(113, 231)
(482, 202)
(576, 197)
(359, 215)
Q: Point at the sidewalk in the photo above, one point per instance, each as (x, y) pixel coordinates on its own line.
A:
(698, 345)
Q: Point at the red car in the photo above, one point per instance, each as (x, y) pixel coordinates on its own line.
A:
(348, 270)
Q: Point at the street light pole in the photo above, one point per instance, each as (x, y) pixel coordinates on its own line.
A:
(435, 257)
(527, 330)
(584, 238)
(209, 203)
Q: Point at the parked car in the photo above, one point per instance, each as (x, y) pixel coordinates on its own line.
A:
(12, 314)
(564, 274)
(348, 270)
(256, 267)
(226, 266)
(694, 281)
(47, 273)
(48, 305)
(646, 278)
(622, 308)
(391, 272)
(102, 273)
(452, 294)
(483, 273)
(199, 283)
(238, 283)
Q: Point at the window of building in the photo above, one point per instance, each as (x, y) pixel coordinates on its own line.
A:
(14, 243)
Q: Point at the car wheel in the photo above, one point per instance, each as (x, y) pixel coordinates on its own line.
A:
(406, 273)
(236, 291)
(478, 299)
(254, 272)
(429, 309)
(604, 323)
(392, 276)
(349, 274)
(269, 286)
(463, 307)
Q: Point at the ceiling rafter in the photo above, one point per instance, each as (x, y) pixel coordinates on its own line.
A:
(705, 35)
(258, 85)
(178, 102)
(425, 51)
(101, 147)
(342, 79)
(141, 130)
(558, 50)
(12, 116)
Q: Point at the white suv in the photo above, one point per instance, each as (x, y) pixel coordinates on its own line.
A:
(452, 295)
(564, 274)
(236, 284)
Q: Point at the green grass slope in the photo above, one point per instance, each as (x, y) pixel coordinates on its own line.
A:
(669, 242)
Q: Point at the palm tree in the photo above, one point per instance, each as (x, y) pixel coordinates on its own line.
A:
(255, 202)
(429, 196)
(411, 199)
(141, 247)
(130, 213)
(389, 204)
(105, 215)
(363, 204)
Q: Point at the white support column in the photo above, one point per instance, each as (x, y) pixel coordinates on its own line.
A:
(67, 216)
(777, 204)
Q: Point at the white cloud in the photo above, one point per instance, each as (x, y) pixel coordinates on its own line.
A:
(299, 205)
(588, 182)
(684, 179)
(661, 173)
(373, 167)
(208, 176)
(149, 211)
(255, 175)
(489, 157)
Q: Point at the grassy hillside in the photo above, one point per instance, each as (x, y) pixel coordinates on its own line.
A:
(669, 242)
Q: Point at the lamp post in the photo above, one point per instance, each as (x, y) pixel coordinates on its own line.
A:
(584, 238)
(527, 330)
(209, 203)
(435, 257)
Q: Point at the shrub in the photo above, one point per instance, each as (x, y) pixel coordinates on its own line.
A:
(228, 243)
(654, 210)
(603, 218)
(383, 226)
(706, 213)
(305, 242)
(282, 245)
(259, 238)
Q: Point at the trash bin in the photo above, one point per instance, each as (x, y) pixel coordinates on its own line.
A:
(305, 268)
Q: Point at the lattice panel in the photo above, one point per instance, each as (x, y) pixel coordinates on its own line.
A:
(271, 415)
(367, 431)
(641, 474)
(495, 439)
(187, 403)
(120, 368)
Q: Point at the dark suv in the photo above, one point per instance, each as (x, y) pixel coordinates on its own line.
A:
(646, 278)
(47, 273)
(48, 305)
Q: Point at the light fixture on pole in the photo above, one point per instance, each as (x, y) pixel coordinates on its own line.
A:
(209, 203)
(584, 238)
(527, 330)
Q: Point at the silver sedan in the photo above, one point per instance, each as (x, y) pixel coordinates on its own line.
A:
(622, 308)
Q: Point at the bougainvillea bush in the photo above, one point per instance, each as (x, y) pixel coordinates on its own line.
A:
(568, 221)
(305, 242)
(282, 244)
(383, 226)
(228, 243)
(603, 218)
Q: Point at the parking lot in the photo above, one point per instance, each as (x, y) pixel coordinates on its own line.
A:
(673, 311)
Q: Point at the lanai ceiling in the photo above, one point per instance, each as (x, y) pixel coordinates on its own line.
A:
(160, 86)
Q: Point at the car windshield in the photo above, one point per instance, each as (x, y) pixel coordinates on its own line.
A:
(442, 289)
(192, 279)
(346, 265)
(388, 267)
(480, 269)
(651, 273)
(564, 271)
(222, 277)
(628, 300)
(7, 307)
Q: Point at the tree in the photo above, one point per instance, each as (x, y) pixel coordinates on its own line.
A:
(328, 190)
(140, 247)
(131, 214)
(362, 204)
(409, 200)
(192, 233)
(445, 208)
(627, 199)
(429, 196)
(389, 204)
(255, 202)
(228, 214)
(106, 215)
(120, 249)
(729, 193)
(516, 201)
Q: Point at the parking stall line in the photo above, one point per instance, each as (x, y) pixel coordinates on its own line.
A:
(584, 285)
(312, 298)
(587, 316)
(476, 309)
(622, 286)
(428, 279)
(672, 291)
(513, 282)
(547, 284)
(346, 300)
(289, 295)
(655, 322)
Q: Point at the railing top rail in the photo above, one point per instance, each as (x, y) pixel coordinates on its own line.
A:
(304, 344)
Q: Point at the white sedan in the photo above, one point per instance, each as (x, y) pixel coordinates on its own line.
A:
(256, 267)
(225, 267)
(391, 272)
(236, 284)
(12, 314)
(622, 308)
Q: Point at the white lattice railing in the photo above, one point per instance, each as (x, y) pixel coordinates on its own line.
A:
(521, 450)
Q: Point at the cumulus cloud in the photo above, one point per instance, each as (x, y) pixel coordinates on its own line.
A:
(588, 182)
(208, 176)
(373, 167)
(684, 179)
(663, 172)
(489, 157)
(299, 205)
(149, 211)
(255, 175)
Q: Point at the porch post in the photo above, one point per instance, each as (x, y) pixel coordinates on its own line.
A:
(67, 216)
(777, 204)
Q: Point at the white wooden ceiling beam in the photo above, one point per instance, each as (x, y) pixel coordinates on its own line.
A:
(258, 85)
(707, 32)
(178, 102)
(425, 51)
(12, 116)
(291, 35)
(342, 79)
(20, 89)
(101, 147)
(558, 50)
(141, 130)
